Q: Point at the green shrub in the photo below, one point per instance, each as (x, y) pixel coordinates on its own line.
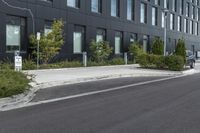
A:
(180, 49)
(62, 64)
(158, 47)
(12, 83)
(174, 62)
(92, 63)
(100, 51)
(160, 62)
(136, 50)
(29, 65)
(143, 60)
(50, 44)
(6, 64)
(117, 61)
(69, 64)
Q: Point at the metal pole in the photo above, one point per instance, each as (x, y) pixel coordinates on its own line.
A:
(38, 53)
(165, 36)
(85, 59)
(125, 58)
(165, 31)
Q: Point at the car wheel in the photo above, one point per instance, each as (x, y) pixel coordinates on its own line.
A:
(192, 65)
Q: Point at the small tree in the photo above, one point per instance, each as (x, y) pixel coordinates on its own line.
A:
(158, 47)
(180, 49)
(100, 50)
(136, 50)
(50, 44)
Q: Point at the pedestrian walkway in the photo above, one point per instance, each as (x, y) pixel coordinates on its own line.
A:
(54, 77)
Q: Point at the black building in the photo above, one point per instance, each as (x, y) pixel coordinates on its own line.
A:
(118, 21)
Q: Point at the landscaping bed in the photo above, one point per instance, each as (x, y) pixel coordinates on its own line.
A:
(12, 83)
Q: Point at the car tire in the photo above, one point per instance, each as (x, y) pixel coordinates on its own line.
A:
(192, 65)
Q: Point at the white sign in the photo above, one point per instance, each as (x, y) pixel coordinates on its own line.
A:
(38, 36)
(18, 63)
(198, 54)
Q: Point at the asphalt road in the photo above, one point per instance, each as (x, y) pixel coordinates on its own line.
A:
(171, 106)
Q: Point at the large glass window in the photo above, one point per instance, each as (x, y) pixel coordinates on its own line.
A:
(77, 42)
(187, 10)
(133, 37)
(96, 6)
(118, 42)
(130, 9)
(115, 8)
(181, 6)
(47, 28)
(174, 5)
(73, 3)
(191, 29)
(101, 35)
(13, 37)
(179, 23)
(163, 20)
(15, 33)
(78, 39)
(157, 2)
(143, 13)
(166, 4)
(193, 12)
(186, 26)
(154, 16)
(171, 21)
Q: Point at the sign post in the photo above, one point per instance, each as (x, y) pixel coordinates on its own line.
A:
(18, 61)
(38, 48)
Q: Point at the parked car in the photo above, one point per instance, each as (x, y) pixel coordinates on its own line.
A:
(190, 59)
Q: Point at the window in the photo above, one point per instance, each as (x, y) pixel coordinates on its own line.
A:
(187, 9)
(130, 9)
(193, 12)
(191, 27)
(163, 20)
(185, 25)
(78, 39)
(181, 6)
(15, 33)
(166, 4)
(73, 3)
(96, 6)
(143, 13)
(47, 28)
(154, 16)
(179, 23)
(115, 8)
(157, 2)
(171, 21)
(174, 5)
(133, 37)
(101, 35)
(118, 42)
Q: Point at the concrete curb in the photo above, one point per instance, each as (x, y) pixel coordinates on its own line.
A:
(23, 99)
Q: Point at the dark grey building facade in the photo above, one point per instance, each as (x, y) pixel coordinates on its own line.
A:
(118, 21)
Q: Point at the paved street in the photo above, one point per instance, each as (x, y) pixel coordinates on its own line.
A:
(163, 107)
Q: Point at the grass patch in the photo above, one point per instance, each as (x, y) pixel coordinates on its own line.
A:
(12, 83)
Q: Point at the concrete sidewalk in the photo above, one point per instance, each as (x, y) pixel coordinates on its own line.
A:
(54, 77)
